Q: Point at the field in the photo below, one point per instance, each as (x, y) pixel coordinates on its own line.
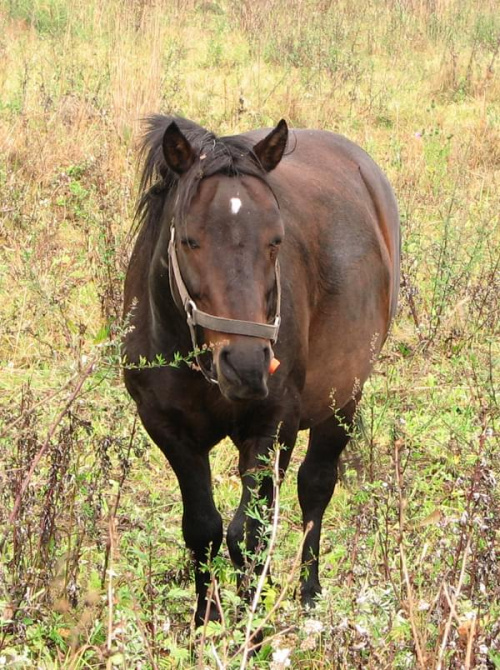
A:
(93, 572)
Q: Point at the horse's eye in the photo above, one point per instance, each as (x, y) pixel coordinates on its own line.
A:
(273, 248)
(190, 243)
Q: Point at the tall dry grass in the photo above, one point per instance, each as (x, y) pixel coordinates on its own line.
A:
(415, 83)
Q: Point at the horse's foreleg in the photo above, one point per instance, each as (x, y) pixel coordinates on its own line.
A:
(246, 534)
(201, 521)
(201, 526)
(316, 482)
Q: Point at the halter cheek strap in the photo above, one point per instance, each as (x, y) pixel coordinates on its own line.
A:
(196, 317)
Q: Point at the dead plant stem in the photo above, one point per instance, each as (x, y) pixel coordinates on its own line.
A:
(452, 605)
(87, 371)
(404, 567)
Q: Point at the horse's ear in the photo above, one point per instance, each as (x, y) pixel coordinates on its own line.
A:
(270, 150)
(178, 152)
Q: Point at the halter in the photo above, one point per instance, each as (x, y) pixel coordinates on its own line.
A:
(196, 317)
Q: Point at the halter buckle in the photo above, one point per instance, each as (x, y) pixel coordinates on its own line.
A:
(191, 309)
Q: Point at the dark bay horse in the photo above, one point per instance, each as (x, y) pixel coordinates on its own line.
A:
(260, 246)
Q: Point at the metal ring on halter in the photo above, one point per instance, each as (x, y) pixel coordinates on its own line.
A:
(190, 308)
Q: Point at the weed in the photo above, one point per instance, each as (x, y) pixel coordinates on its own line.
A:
(93, 570)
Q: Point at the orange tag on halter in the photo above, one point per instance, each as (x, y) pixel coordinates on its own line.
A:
(273, 366)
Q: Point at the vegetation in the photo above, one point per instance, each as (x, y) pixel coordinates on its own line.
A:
(93, 572)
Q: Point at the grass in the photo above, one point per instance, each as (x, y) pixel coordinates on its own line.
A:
(93, 572)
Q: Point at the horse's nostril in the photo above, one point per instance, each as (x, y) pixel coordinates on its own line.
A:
(268, 355)
(226, 366)
(224, 356)
(242, 369)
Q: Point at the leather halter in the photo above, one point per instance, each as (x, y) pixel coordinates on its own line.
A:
(196, 317)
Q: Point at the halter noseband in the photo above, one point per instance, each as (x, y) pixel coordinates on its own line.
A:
(196, 317)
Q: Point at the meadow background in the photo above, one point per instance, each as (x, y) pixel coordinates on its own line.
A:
(93, 573)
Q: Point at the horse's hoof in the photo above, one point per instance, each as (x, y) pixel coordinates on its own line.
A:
(201, 616)
(309, 597)
(256, 643)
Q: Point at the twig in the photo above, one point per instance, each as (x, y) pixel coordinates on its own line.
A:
(291, 577)
(267, 562)
(84, 375)
(108, 559)
(31, 409)
(279, 633)
(205, 624)
(216, 656)
(109, 639)
(78, 655)
(114, 510)
(404, 567)
(453, 603)
(470, 642)
(284, 590)
(143, 632)
(221, 613)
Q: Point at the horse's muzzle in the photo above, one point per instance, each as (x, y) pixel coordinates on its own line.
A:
(243, 369)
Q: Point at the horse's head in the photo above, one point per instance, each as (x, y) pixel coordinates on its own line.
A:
(226, 236)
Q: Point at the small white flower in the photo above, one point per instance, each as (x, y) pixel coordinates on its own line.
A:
(280, 658)
(313, 626)
(309, 644)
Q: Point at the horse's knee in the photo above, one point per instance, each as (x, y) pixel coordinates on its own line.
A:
(202, 534)
(234, 538)
(244, 535)
(316, 485)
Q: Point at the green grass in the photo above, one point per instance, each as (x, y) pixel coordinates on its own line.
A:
(410, 548)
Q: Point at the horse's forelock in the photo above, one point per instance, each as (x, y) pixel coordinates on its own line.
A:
(227, 155)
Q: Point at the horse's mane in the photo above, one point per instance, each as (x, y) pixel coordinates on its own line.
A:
(215, 155)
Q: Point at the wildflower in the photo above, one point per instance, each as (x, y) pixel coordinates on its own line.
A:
(309, 644)
(281, 659)
(313, 626)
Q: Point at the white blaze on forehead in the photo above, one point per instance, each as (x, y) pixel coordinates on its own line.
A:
(235, 205)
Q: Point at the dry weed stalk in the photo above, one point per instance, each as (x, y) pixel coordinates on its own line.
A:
(452, 602)
(86, 372)
(398, 444)
(267, 563)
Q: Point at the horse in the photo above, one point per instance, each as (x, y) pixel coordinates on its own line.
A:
(266, 265)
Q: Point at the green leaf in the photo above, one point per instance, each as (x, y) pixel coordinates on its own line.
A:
(494, 657)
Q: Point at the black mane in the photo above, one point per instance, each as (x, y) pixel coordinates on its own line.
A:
(231, 156)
